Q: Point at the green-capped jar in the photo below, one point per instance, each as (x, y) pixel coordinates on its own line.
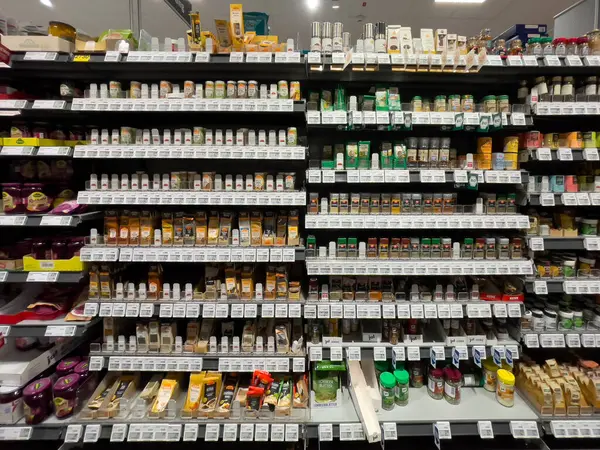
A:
(402, 383)
(489, 104)
(387, 383)
(454, 103)
(439, 104)
(503, 104)
(417, 104)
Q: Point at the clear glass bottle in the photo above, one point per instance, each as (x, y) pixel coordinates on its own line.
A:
(435, 384)
(567, 87)
(572, 48)
(402, 383)
(534, 47)
(387, 386)
(547, 48)
(560, 46)
(452, 385)
(591, 85)
(583, 46)
(516, 47)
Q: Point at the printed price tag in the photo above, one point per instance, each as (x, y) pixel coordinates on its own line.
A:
(540, 287)
(565, 154)
(212, 432)
(325, 432)
(92, 433)
(277, 432)
(354, 354)
(190, 432)
(536, 244)
(60, 331)
(73, 434)
(390, 431)
(230, 431)
(485, 429)
(524, 430)
(443, 430)
(336, 354)
(413, 353)
(292, 432)
(261, 432)
(118, 432)
(316, 353)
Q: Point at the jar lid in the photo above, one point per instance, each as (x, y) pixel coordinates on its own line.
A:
(550, 313)
(573, 40)
(537, 313)
(66, 382)
(533, 41)
(68, 364)
(560, 40)
(454, 375)
(583, 40)
(381, 366)
(502, 97)
(387, 380)
(506, 377)
(440, 97)
(401, 376)
(436, 373)
(489, 364)
(38, 386)
(489, 97)
(467, 96)
(416, 97)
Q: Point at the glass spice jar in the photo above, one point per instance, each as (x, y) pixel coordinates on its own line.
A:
(500, 48)
(547, 48)
(572, 48)
(567, 87)
(467, 103)
(583, 46)
(439, 104)
(387, 384)
(417, 104)
(452, 385)
(435, 384)
(516, 47)
(556, 85)
(594, 42)
(394, 335)
(416, 375)
(454, 103)
(591, 85)
(534, 47)
(560, 46)
(503, 103)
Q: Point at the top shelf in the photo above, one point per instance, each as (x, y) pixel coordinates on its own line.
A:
(295, 66)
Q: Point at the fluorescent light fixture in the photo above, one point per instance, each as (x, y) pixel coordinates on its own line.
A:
(47, 3)
(335, 4)
(312, 4)
(459, 1)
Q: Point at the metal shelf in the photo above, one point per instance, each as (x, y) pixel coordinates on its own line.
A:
(22, 277)
(563, 243)
(21, 220)
(55, 328)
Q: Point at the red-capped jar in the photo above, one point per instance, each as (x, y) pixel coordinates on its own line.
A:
(435, 384)
(560, 46)
(572, 46)
(452, 385)
(583, 46)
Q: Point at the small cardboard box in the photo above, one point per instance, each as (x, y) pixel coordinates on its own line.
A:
(37, 44)
(107, 45)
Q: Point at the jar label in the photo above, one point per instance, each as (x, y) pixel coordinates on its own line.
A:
(37, 202)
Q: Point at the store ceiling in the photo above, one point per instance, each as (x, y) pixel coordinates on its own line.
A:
(290, 17)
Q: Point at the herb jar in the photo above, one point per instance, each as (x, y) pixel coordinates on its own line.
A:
(591, 85)
(489, 374)
(578, 323)
(489, 104)
(547, 48)
(394, 334)
(452, 385)
(589, 227)
(435, 384)
(572, 48)
(556, 85)
(439, 104)
(416, 375)
(503, 103)
(401, 393)
(569, 269)
(454, 103)
(583, 46)
(565, 320)
(417, 104)
(537, 320)
(560, 46)
(387, 385)
(467, 103)
(534, 47)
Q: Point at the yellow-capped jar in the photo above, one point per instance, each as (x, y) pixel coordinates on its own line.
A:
(505, 388)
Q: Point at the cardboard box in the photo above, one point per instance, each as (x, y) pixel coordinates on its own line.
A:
(91, 46)
(33, 142)
(37, 44)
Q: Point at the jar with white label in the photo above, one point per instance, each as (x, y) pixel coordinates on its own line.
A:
(537, 320)
(565, 320)
(550, 319)
(567, 87)
(591, 85)
(452, 385)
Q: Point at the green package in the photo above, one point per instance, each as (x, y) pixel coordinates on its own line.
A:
(394, 102)
(326, 100)
(364, 154)
(399, 155)
(351, 155)
(386, 156)
(325, 385)
(381, 100)
(340, 99)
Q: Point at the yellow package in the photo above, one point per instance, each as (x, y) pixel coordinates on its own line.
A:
(168, 387)
(194, 394)
(225, 229)
(256, 229)
(281, 231)
(223, 37)
(270, 284)
(293, 236)
(236, 25)
(213, 229)
(201, 228)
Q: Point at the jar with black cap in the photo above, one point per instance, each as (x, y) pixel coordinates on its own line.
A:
(434, 151)
(380, 42)
(327, 38)
(537, 320)
(591, 85)
(550, 319)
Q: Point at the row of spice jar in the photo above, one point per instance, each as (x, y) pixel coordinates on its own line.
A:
(44, 248)
(210, 89)
(458, 103)
(557, 85)
(543, 46)
(566, 265)
(33, 170)
(34, 198)
(43, 130)
(562, 224)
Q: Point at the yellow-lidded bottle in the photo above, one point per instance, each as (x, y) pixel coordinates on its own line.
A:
(505, 388)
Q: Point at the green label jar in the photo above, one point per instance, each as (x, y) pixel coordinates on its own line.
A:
(402, 383)
(387, 383)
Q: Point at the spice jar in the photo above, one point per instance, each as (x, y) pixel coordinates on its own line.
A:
(417, 104)
(435, 384)
(556, 85)
(537, 320)
(505, 389)
(594, 42)
(516, 47)
(500, 48)
(387, 385)
(489, 374)
(489, 104)
(583, 46)
(65, 395)
(534, 47)
(401, 394)
(394, 335)
(572, 48)
(467, 103)
(550, 319)
(547, 48)
(567, 86)
(439, 104)
(454, 103)
(560, 46)
(565, 320)
(11, 198)
(11, 404)
(503, 103)
(452, 385)
(416, 375)
(37, 399)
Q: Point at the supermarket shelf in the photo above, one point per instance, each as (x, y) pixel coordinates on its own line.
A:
(573, 286)
(63, 151)
(408, 351)
(192, 254)
(577, 155)
(21, 220)
(561, 243)
(293, 309)
(417, 221)
(196, 362)
(476, 405)
(18, 367)
(162, 66)
(416, 176)
(40, 277)
(189, 198)
(376, 266)
(572, 427)
(566, 199)
(50, 328)
(194, 309)
(189, 152)
(589, 338)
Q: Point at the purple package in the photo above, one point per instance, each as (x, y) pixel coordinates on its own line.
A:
(67, 208)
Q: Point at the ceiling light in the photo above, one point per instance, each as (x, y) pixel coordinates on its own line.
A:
(47, 3)
(459, 1)
(312, 4)
(335, 4)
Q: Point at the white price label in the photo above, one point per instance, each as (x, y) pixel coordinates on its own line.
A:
(316, 353)
(92, 433)
(190, 432)
(292, 432)
(261, 432)
(60, 331)
(536, 244)
(230, 431)
(485, 429)
(354, 354)
(443, 430)
(247, 432)
(277, 432)
(118, 432)
(390, 431)
(212, 432)
(73, 434)
(524, 430)
(325, 432)
(540, 287)
(565, 154)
